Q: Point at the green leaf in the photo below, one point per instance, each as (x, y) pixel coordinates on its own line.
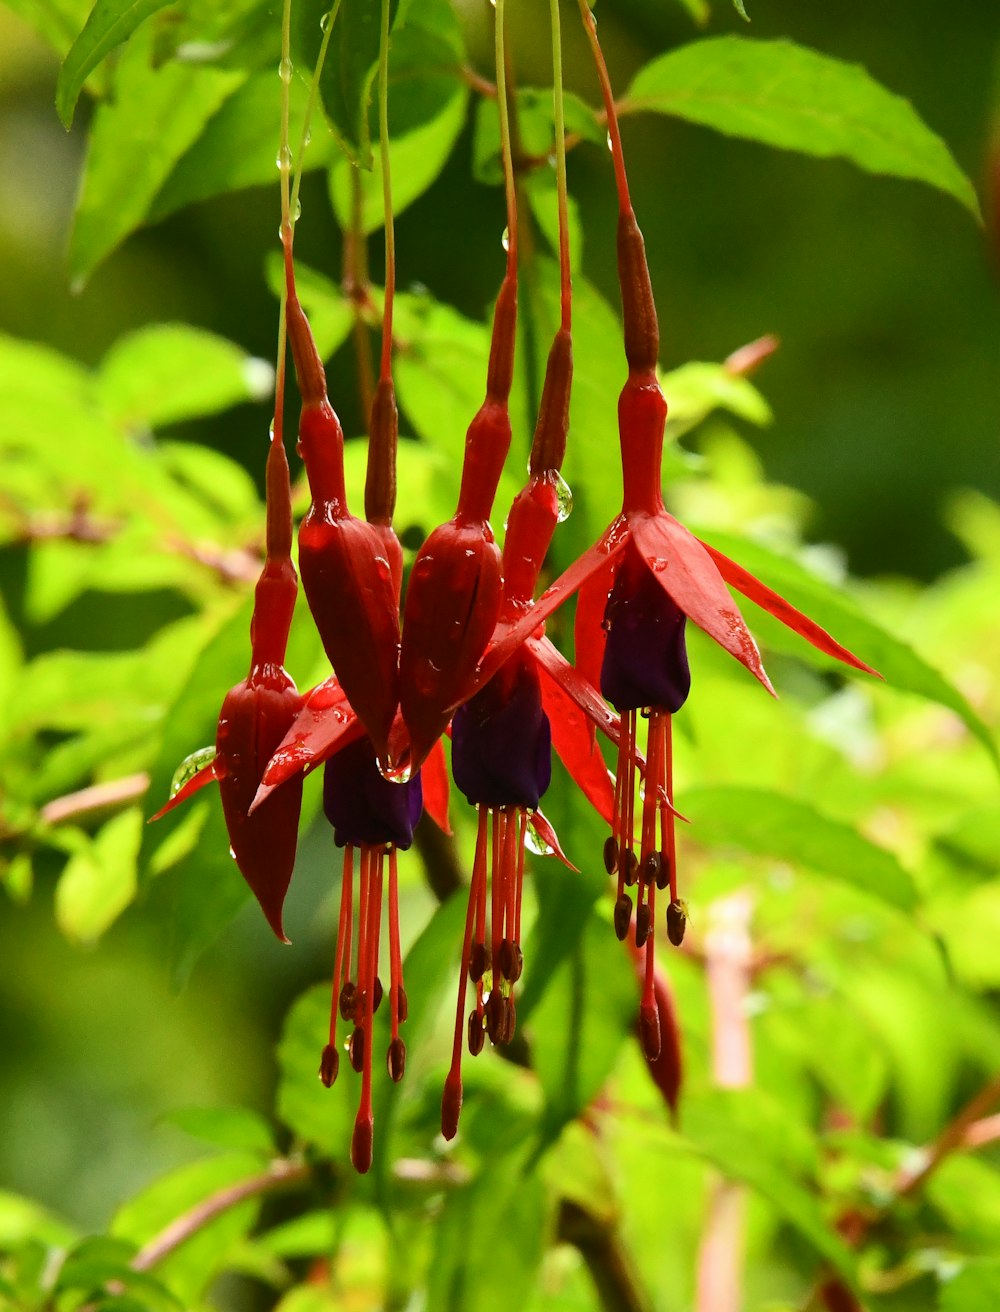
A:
(156, 116)
(330, 312)
(99, 882)
(489, 1241)
(416, 159)
(235, 1128)
(749, 1138)
(319, 1116)
(168, 372)
(189, 1269)
(239, 145)
(110, 23)
(785, 95)
(56, 21)
(897, 662)
(769, 824)
(976, 1288)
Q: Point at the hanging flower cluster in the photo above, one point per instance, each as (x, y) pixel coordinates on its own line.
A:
(466, 655)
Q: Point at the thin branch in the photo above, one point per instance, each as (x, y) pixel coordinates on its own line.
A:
(606, 1260)
(278, 1175)
(98, 797)
(953, 1136)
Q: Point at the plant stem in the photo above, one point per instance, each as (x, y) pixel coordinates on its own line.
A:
(505, 146)
(278, 1175)
(559, 122)
(614, 134)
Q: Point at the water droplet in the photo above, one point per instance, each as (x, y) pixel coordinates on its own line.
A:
(189, 767)
(658, 564)
(505, 235)
(611, 144)
(564, 498)
(396, 774)
(307, 139)
(270, 430)
(232, 851)
(324, 22)
(285, 70)
(283, 159)
(534, 842)
(297, 213)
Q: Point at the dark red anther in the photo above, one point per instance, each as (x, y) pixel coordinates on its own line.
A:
(649, 1030)
(663, 872)
(511, 960)
(629, 863)
(402, 1004)
(378, 994)
(479, 960)
(611, 854)
(495, 1016)
(348, 1001)
(476, 1033)
(652, 870)
(623, 916)
(396, 1060)
(642, 925)
(329, 1065)
(676, 922)
(356, 1049)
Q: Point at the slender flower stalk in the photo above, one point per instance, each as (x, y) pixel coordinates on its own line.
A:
(454, 594)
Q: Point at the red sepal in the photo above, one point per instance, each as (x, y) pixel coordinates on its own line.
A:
(545, 831)
(688, 574)
(254, 718)
(208, 774)
(324, 724)
(743, 581)
(434, 778)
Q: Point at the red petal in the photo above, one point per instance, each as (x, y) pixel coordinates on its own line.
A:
(543, 828)
(574, 741)
(590, 634)
(434, 777)
(324, 725)
(508, 637)
(743, 581)
(687, 573)
(206, 775)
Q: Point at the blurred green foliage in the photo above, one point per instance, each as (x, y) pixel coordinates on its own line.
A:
(842, 860)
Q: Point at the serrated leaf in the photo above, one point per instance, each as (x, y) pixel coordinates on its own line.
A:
(168, 372)
(770, 824)
(898, 663)
(110, 23)
(136, 140)
(785, 95)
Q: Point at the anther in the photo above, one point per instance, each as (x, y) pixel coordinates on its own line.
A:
(511, 960)
(495, 1018)
(348, 998)
(477, 1035)
(396, 1060)
(329, 1065)
(676, 922)
(356, 1049)
(479, 960)
(402, 1004)
(630, 869)
(623, 916)
(649, 1030)
(611, 854)
(663, 874)
(652, 869)
(378, 994)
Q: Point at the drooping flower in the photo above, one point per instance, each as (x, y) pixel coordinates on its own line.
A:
(373, 818)
(257, 713)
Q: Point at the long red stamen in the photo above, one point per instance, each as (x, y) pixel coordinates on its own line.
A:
(364, 1124)
(451, 1100)
(330, 1063)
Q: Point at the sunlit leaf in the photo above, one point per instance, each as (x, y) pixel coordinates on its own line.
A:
(234, 1128)
(99, 883)
(769, 824)
(786, 95)
(136, 140)
(110, 23)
